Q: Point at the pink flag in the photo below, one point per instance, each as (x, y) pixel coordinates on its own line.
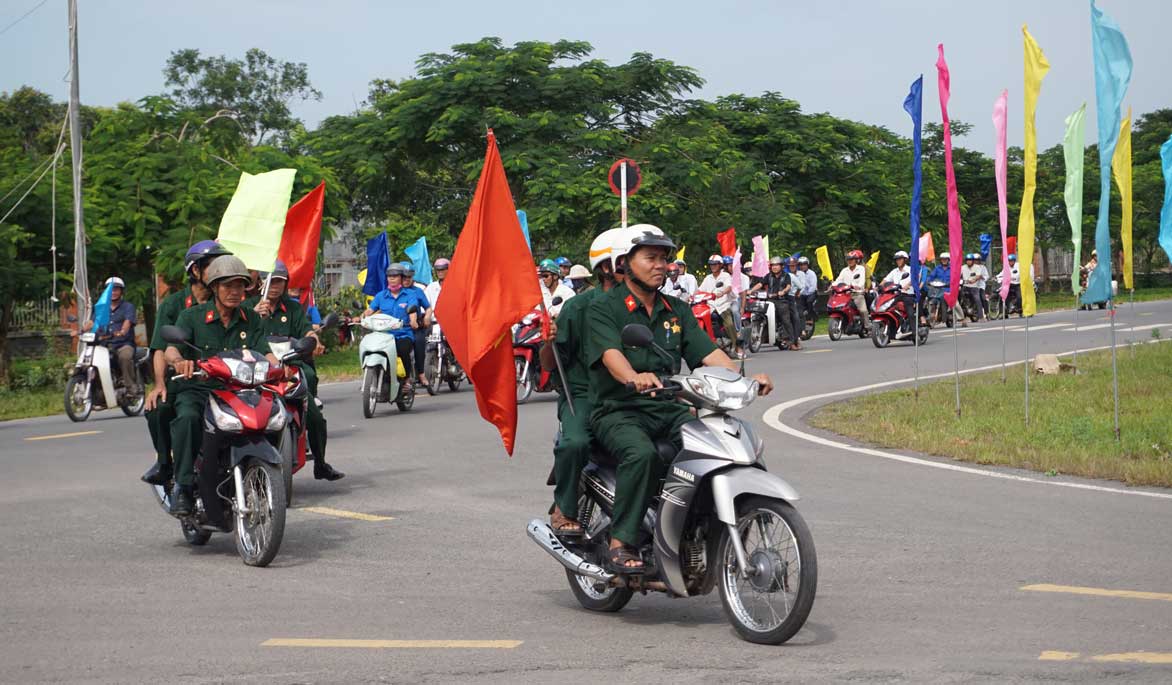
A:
(927, 249)
(760, 259)
(736, 272)
(955, 231)
(999, 109)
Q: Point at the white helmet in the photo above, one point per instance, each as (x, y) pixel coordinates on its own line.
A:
(944, 255)
(901, 255)
(118, 282)
(602, 247)
(624, 240)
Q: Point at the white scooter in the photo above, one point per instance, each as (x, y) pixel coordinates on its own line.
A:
(762, 321)
(94, 385)
(376, 353)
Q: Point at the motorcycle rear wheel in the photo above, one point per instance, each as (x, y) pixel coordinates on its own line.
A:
(432, 371)
(834, 328)
(760, 521)
(524, 380)
(808, 330)
(370, 390)
(406, 397)
(135, 408)
(756, 332)
(78, 400)
(259, 532)
(194, 536)
(593, 594)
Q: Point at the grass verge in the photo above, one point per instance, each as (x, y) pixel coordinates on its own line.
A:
(1071, 429)
(26, 403)
(339, 364)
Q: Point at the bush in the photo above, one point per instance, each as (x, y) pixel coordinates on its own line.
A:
(43, 372)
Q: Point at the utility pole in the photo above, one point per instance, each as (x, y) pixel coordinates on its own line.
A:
(80, 273)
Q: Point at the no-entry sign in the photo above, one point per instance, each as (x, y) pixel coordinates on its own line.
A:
(634, 177)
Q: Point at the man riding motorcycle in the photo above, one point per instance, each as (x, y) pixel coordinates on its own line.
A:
(284, 316)
(806, 283)
(118, 335)
(396, 301)
(972, 279)
(625, 422)
(674, 285)
(439, 269)
(568, 335)
(218, 324)
(901, 275)
(552, 287)
(943, 273)
(564, 266)
(160, 405)
(854, 275)
(777, 284)
(422, 323)
(723, 302)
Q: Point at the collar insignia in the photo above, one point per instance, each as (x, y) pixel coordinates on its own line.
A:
(630, 302)
(210, 316)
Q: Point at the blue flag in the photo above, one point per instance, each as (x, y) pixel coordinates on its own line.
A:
(1112, 76)
(913, 104)
(378, 258)
(524, 219)
(1166, 211)
(986, 245)
(420, 261)
(102, 309)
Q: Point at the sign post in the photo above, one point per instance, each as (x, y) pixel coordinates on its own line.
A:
(624, 178)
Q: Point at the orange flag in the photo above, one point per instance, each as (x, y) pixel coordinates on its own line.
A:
(302, 233)
(490, 286)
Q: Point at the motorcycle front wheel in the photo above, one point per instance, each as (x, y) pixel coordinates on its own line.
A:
(524, 380)
(259, 530)
(432, 370)
(881, 333)
(834, 328)
(370, 390)
(756, 332)
(770, 606)
(78, 401)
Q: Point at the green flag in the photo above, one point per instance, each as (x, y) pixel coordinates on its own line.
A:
(255, 218)
(1072, 148)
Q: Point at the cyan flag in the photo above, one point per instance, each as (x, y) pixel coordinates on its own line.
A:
(378, 258)
(524, 219)
(1112, 76)
(102, 309)
(1166, 211)
(986, 245)
(417, 253)
(913, 105)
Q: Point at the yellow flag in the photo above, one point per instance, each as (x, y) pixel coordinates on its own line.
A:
(680, 254)
(1121, 170)
(823, 255)
(872, 263)
(362, 278)
(255, 218)
(1036, 67)
(765, 244)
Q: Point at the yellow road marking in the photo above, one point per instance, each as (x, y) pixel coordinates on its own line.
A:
(1051, 655)
(393, 644)
(1137, 657)
(1099, 592)
(342, 513)
(61, 435)
(815, 351)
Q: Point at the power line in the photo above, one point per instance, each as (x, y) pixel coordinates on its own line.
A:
(23, 17)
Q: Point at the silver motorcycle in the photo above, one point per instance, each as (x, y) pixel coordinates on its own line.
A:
(95, 383)
(720, 519)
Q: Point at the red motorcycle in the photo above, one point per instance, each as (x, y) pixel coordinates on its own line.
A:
(709, 320)
(890, 319)
(239, 467)
(526, 349)
(845, 318)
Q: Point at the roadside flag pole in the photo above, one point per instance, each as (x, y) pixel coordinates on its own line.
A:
(557, 358)
(1004, 318)
(1114, 368)
(1027, 370)
(956, 359)
(1134, 322)
(1076, 308)
(916, 344)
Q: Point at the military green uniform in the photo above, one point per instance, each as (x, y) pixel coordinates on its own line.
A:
(625, 422)
(289, 319)
(205, 330)
(572, 452)
(159, 419)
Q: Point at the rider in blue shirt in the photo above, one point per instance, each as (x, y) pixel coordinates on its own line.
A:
(422, 325)
(395, 301)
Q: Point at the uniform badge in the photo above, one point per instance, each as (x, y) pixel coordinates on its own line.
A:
(243, 335)
(209, 317)
(630, 302)
(666, 325)
(284, 319)
(676, 328)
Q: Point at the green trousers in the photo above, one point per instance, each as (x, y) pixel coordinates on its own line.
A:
(315, 421)
(187, 430)
(159, 424)
(629, 435)
(572, 453)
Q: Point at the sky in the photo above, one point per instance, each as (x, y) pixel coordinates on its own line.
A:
(853, 59)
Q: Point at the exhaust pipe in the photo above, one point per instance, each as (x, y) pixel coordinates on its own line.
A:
(545, 538)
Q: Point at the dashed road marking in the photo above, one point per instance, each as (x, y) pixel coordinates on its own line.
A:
(392, 644)
(61, 435)
(1052, 655)
(1136, 657)
(342, 513)
(815, 351)
(1098, 592)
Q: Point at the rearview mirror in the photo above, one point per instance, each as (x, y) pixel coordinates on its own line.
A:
(330, 321)
(636, 335)
(720, 284)
(174, 335)
(305, 346)
(555, 302)
(355, 305)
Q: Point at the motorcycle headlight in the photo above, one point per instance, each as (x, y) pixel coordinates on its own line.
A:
(277, 419)
(87, 337)
(260, 371)
(241, 371)
(727, 395)
(225, 419)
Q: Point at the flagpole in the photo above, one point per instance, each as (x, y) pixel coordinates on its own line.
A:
(1076, 308)
(956, 359)
(916, 344)
(557, 360)
(623, 194)
(1027, 370)
(1134, 322)
(1004, 318)
(1114, 368)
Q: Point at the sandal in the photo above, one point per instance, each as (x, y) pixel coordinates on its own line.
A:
(564, 526)
(619, 557)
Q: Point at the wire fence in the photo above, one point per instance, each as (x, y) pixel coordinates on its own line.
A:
(35, 315)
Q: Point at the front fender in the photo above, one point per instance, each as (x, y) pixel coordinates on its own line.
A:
(728, 485)
(255, 447)
(375, 359)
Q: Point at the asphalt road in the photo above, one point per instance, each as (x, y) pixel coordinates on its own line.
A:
(921, 569)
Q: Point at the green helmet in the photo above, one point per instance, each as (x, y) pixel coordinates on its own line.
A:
(548, 266)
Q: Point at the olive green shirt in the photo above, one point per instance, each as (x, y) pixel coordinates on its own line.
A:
(287, 318)
(206, 332)
(673, 327)
(571, 342)
(168, 314)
